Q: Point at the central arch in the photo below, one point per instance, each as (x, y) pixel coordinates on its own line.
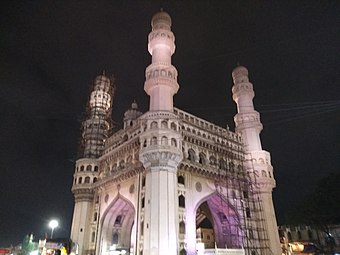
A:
(218, 222)
(117, 226)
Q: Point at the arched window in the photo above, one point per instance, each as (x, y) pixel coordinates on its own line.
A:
(121, 164)
(290, 237)
(93, 237)
(202, 159)
(191, 155)
(299, 235)
(87, 179)
(95, 179)
(173, 126)
(115, 238)
(143, 182)
(213, 161)
(154, 140)
(310, 235)
(125, 138)
(221, 164)
(80, 180)
(82, 168)
(164, 124)
(181, 201)
(183, 252)
(180, 179)
(233, 194)
(231, 167)
(96, 168)
(173, 142)
(144, 143)
(153, 124)
(251, 234)
(142, 228)
(164, 140)
(95, 216)
(248, 212)
(143, 202)
(182, 227)
(88, 168)
(118, 220)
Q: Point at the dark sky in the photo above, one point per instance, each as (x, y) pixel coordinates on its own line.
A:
(51, 50)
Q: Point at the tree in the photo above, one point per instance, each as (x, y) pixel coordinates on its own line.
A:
(320, 208)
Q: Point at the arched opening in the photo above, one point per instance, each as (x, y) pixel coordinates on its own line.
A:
(191, 155)
(173, 142)
(180, 179)
(117, 225)
(164, 124)
(183, 252)
(153, 125)
(154, 140)
(173, 126)
(164, 140)
(202, 159)
(182, 227)
(181, 201)
(217, 222)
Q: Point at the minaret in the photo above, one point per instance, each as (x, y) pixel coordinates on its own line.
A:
(97, 126)
(95, 131)
(258, 164)
(161, 144)
(161, 77)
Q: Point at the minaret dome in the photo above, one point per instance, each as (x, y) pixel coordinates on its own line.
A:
(161, 20)
(240, 74)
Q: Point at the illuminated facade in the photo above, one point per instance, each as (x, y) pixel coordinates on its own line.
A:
(148, 187)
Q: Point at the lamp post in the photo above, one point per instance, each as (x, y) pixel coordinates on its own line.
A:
(53, 224)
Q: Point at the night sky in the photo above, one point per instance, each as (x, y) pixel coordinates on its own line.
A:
(50, 51)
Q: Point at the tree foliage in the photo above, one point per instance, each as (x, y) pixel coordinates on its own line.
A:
(320, 208)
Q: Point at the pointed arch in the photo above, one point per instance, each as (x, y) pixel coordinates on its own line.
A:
(224, 218)
(117, 222)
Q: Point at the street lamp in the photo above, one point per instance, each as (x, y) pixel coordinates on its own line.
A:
(53, 224)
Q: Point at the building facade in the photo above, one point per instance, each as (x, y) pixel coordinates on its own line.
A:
(150, 187)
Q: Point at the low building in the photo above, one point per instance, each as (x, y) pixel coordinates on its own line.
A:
(302, 239)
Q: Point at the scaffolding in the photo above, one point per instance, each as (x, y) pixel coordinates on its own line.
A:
(239, 214)
(98, 125)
